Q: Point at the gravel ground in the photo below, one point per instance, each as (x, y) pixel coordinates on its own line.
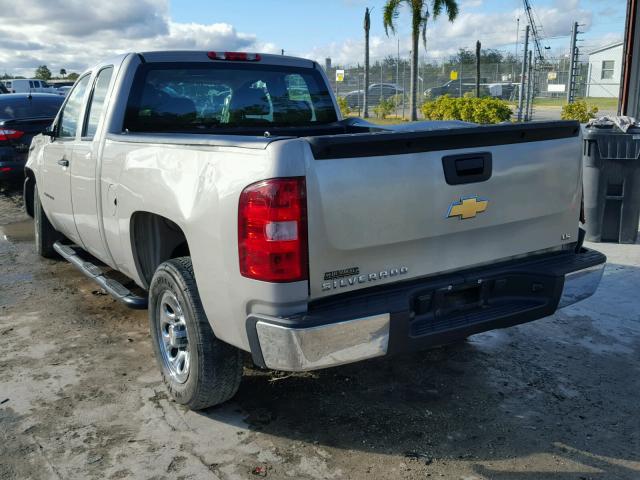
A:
(80, 396)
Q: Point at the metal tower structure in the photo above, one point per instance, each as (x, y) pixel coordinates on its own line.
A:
(574, 66)
(536, 31)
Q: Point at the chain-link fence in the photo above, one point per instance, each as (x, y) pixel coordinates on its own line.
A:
(390, 79)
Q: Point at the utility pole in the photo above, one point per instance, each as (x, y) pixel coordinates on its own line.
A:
(404, 90)
(398, 65)
(381, 79)
(517, 36)
(534, 83)
(478, 46)
(529, 87)
(573, 60)
(523, 74)
(358, 80)
(367, 26)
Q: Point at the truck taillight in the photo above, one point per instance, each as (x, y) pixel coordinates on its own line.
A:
(272, 230)
(9, 134)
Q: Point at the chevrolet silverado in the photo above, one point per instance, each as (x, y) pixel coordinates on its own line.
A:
(224, 192)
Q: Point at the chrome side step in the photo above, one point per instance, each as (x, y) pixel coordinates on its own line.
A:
(95, 273)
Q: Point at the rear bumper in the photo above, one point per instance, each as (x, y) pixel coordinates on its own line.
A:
(422, 314)
(580, 284)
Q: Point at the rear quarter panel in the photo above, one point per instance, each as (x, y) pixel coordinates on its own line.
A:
(198, 188)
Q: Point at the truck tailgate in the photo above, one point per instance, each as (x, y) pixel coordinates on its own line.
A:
(382, 209)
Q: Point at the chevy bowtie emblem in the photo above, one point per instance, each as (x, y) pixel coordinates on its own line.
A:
(467, 207)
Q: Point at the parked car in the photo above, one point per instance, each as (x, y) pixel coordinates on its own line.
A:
(22, 116)
(28, 85)
(457, 88)
(453, 88)
(377, 91)
(264, 225)
(3, 89)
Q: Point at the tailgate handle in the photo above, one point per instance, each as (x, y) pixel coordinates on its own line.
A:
(467, 168)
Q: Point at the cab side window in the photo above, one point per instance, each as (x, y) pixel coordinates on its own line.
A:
(70, 115)
(96, 104)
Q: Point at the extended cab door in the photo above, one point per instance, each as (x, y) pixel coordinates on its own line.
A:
(84, 170)
(55, 185)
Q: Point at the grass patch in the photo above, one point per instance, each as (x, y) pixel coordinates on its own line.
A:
(600, 102)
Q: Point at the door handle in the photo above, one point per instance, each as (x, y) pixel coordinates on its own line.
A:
(63, 162)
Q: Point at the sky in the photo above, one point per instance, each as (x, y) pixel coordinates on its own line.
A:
(73, 34)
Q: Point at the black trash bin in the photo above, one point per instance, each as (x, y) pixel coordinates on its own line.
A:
(611, 160)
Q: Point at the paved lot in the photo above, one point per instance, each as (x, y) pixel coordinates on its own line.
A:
(80, 396)
(546, 113)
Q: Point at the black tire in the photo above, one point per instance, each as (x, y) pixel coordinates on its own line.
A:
(215, 367)
(44, 233)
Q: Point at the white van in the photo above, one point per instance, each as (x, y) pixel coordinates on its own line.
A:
(28, 85)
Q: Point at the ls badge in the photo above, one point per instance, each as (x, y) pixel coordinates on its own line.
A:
(467, 207)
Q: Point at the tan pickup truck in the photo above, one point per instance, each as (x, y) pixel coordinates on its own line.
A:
(223, 191)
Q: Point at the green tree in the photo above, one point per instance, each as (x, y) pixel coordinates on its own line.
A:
(464, 56)
(421, 11)
(468, 57)
(43, 73)
(63, 72)
(73, 76)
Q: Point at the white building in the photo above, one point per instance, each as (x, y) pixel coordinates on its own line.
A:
(605, 71)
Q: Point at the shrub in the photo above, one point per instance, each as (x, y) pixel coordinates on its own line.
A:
(578, 111)
(344, 106)
(468, 109)
(384, 108)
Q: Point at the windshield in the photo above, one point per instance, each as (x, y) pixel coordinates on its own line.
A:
(202, 98)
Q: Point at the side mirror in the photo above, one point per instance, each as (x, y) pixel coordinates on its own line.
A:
(50, 131)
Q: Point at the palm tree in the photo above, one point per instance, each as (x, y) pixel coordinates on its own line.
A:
(421, 11)
(367, 26)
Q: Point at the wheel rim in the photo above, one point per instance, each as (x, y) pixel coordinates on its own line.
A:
(173, 338)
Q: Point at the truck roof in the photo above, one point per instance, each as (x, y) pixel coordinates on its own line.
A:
(201, 56)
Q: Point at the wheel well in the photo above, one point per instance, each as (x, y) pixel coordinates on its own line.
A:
(27, 191)
(155, 239)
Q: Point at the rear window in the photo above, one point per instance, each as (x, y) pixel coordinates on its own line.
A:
(204, 98)
(23, 107)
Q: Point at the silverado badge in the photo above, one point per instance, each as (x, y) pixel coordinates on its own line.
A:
(467, 207)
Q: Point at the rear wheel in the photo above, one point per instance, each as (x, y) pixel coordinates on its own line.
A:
(199, 370)
(44, 233)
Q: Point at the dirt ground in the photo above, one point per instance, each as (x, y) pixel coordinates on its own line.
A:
(80, 396)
